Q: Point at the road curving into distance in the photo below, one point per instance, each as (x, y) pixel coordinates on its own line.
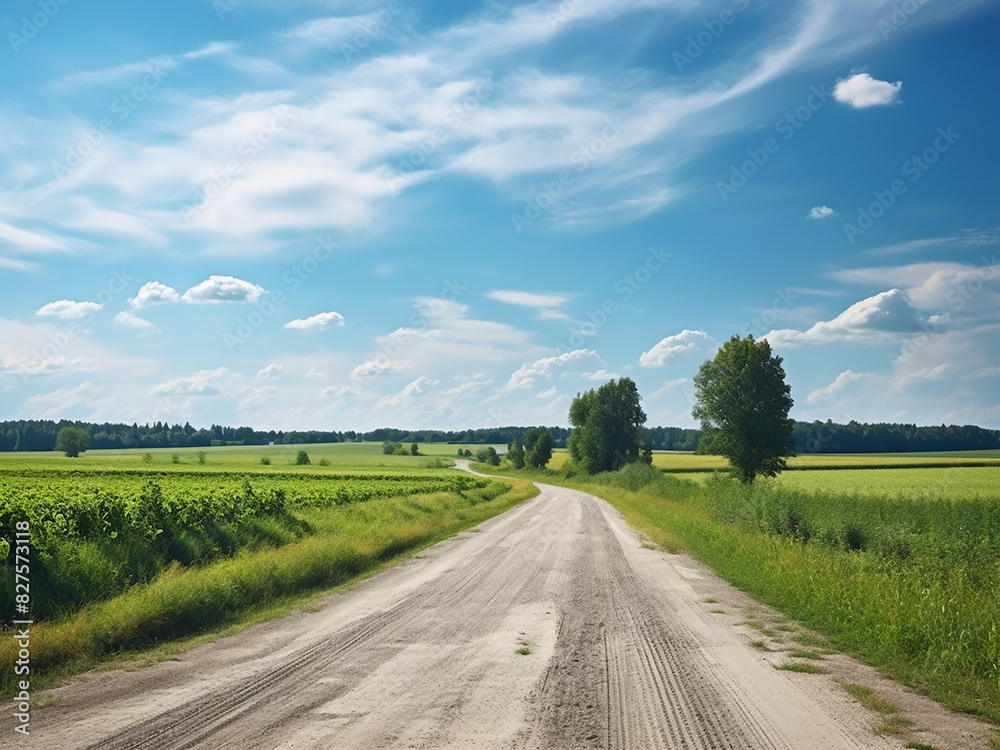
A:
(550, 626)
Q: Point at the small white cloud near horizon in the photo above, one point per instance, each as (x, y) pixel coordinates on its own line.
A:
(682, 343)
(317, 322)
(820, 212)
(861, 91)
(223, 289)
(66, 309)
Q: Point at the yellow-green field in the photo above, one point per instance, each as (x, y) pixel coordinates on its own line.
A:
(690, 462)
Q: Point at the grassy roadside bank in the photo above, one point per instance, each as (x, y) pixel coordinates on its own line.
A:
(907, 586)
(347, 542)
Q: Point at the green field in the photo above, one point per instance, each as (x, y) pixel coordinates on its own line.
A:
(132, 548)
(681, 462)
(345, 456)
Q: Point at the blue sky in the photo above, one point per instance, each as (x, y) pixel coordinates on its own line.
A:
(344, 215)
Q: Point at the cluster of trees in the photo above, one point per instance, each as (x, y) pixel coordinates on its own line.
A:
(533, 451)
(742, 401)
(607, 426)
(390, 448)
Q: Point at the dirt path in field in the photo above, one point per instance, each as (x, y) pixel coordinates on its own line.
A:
(551, 626)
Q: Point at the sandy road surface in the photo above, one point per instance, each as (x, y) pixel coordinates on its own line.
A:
(621, 652)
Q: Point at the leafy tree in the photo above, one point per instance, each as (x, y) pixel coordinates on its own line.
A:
(606, 427)
(72, 441)
(301, 458)
(414, 449)
(488, 455)
(743, 401)
(389, 447)
(515, 454)
(537, 447)
(468, 453)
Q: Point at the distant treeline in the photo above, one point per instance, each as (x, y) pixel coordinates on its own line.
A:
(810, 437)
(854, 437)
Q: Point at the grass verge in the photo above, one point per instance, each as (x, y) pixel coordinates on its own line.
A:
(348, 542)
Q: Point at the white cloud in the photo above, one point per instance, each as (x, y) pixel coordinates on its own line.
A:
(601, 375)
(820, 212)
(153, 292)
(317, 322)
(861, 90)
(528, 299)
(545, 368)
(872, 319)
(685, 342)
(842, 382)
(202, 383)
(412, 391)
(223, 289)
(28, 241)
(547, 305)
(58, 404)
(270, 371)
(38, 366)
(69, 310)
(129, 319)
(958, 294)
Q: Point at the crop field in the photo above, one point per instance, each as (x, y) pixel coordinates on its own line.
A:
(679, 462)
(111, 529)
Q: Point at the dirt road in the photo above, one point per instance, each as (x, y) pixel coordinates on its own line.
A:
(549, 627)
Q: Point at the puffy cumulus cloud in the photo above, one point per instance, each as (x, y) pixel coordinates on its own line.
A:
(129, 319)
(68, 309)
(202, 383)
(685, 342)
(872, 319)
(545, 369)
(223, 289)
(317, 322)
(960, 295)
(820, 212)
(861, 90)
(270, 371)
(153, 293)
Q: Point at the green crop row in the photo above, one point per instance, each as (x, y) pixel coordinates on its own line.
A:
(94, 536)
